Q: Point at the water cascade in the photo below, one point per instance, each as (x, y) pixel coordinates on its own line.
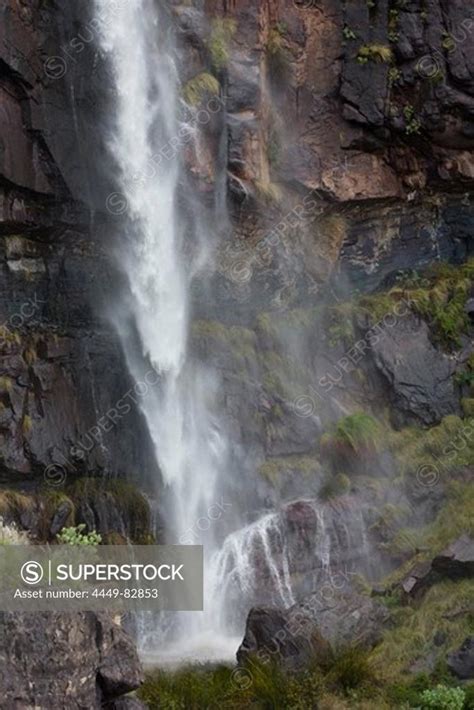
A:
(166, 241)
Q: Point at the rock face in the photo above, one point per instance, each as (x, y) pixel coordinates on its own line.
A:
(80, 660)
(461, 662)
(457, 560)
(421, 382)
(62, 367)
(276, 633)
(324, 620)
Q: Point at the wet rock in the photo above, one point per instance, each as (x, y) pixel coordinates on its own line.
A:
(420, 377)
(323, 621)
(347, 617)
(457, 560)
(287, 637)
(461, 662)
(73, 660)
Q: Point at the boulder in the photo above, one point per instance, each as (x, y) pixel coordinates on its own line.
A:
(457, 560)
(289, 637)
(312, 628)
(418, 580)
(422, 386)
(461, 662)
(75, 660)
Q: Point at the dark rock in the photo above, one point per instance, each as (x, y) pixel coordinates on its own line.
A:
(461, 662)
(457, 560)
(421, 382)
(470, 309)
(288, 637)
(60, 517)
(346, 617)
(323, 620)
(119, 673)
(80, 660)
(418, 580)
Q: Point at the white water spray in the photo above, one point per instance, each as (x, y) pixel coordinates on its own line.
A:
(181, 412)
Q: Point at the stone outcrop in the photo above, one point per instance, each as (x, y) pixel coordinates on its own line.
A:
(461, 661)
(421, 381)
(81, 660)
(327, 619)
(62, 369)
(457, 560)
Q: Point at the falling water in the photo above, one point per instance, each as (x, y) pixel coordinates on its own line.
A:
(180, 412)
(254, 563)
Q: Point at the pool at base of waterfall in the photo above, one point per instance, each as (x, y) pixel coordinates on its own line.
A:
(206, 648)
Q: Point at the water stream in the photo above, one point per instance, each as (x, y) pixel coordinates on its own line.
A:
(167, 241)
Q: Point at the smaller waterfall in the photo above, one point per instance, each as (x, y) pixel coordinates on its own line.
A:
(252, 565)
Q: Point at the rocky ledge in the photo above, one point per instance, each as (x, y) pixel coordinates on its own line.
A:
(74, 661)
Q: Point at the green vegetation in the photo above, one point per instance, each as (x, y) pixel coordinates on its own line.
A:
(275, 470)
(350, 679)
(222, 32)
(130, 502)
(439, 296)
(353, 443)
(26, 425)
(446, 610)
(201, 86)
(277, 54)
(93, 493)
(412, 123)
(443, 698)
(448, 42)
(348, 33)
(335, 486)
(77, 536)
(267, 191)
(6, 384)
(259, 684)
(381, 53)
(394, 74)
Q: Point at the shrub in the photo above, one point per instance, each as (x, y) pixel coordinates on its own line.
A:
(380, 53)
(412, 123)
(10, 535)
(77, 536)
(350, 669)
(443, 698)
(222, 31)
(196, 89)
(335, 486)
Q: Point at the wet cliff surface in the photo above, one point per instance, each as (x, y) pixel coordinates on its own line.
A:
(62, 370)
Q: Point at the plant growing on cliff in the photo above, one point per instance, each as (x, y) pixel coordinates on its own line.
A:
(77, 536)
(394, 74)
(381, 53)
(277, 55)
(349, 33)
(222, 31)
(412, 123)
(354, 442)
(202, 85)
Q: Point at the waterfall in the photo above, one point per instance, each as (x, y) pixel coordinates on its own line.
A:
(165, 244)
(181, 415)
